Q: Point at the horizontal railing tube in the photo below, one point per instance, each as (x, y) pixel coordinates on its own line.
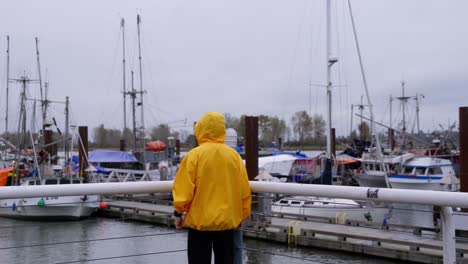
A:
(438, 198)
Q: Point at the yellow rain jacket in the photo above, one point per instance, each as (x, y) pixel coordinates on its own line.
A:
(211, 184)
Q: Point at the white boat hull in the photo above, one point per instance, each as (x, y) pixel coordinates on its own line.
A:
(374, 215)
(55, 208)
(376, 180)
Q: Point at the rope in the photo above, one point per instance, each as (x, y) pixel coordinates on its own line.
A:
(124, 256)
(89, 240)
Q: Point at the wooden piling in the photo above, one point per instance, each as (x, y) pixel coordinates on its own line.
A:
(251, 146)
(391, 140)
(333, 143)
(463, 137)
(122, 145)
(83, 150)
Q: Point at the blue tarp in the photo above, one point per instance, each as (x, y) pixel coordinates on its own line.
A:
(110, 156)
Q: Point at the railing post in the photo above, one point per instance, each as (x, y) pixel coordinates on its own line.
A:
(448, 230)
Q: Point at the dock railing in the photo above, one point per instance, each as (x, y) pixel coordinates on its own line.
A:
(445, 200)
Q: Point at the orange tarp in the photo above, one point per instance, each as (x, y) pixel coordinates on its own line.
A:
(345, 161)
(4, 175)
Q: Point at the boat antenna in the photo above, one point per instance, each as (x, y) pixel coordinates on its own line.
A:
(133, 96)
(122, 24)
(7, 81)
(40, 83)
(141, 91)
(67, 106)
(330, 61)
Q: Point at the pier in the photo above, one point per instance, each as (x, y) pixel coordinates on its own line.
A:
(405, 243)
(424, 246)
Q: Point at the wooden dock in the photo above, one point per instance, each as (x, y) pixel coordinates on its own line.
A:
(389, 242)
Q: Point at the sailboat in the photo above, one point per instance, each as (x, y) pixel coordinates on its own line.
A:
(145, 162)
(28, 171)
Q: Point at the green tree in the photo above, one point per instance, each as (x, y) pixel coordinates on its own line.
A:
(100, 134)
(318, 126)
(302, 125)
(161, 132)
(364, 131)
(278, 127)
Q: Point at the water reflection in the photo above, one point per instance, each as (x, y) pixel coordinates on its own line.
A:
(15, 233)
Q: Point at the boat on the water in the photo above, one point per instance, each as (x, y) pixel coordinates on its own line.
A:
(373, 171)
(50, 208)
(330, 208)
(425, 173)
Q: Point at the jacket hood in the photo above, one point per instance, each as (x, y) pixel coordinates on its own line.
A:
(210, 128)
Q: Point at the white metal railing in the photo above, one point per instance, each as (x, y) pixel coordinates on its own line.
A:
(446, 200)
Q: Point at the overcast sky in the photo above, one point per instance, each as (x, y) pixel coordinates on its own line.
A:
(239, 57)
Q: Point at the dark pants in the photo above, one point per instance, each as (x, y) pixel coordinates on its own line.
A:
(201, 243)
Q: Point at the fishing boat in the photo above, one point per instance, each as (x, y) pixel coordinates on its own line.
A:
(425, 173)
(373, 171)
(290, 167)
(50, 208)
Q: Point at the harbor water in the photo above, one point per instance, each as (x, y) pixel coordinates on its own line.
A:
(112, 241)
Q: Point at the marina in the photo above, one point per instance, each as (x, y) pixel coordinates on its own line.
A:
(224, 122)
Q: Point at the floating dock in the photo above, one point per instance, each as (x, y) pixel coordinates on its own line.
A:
(395, 242)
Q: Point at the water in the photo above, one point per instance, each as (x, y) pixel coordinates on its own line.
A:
(23, 242)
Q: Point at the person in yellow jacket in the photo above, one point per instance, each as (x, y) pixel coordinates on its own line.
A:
(212, 188)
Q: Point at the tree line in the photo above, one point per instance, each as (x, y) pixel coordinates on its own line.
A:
(300, 130)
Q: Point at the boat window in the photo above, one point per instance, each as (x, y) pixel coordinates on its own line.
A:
(371, 167)
(408, 170)
(51, 181)
(309, 203)
(420, 171)
(295, 202)
(64, 181)
(76, 182)
(283, 202)
(31, 183)
(434, 171)
(377, 167)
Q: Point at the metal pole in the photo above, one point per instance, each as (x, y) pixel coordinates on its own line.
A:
(40, 82)
(403, 105)
(133, 95)
(351, 125)
(7, 81)
(328, 65)
(141, 92)
(46, 102)
(369, 103)
(67, 103)
(448, 230)
(391, 100)
(417, 112)
(124, 79)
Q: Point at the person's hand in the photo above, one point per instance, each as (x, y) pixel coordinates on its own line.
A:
(179, 222)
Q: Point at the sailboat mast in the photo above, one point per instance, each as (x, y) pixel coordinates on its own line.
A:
(141, 90)
(364, 79)
(40, 82)
(403, 105)
(7, 81)
(133, 95)
(328, 65)
(21, 126)
(122, 24)
(67, 104)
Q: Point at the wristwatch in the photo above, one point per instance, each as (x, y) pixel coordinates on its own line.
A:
(177, 214)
